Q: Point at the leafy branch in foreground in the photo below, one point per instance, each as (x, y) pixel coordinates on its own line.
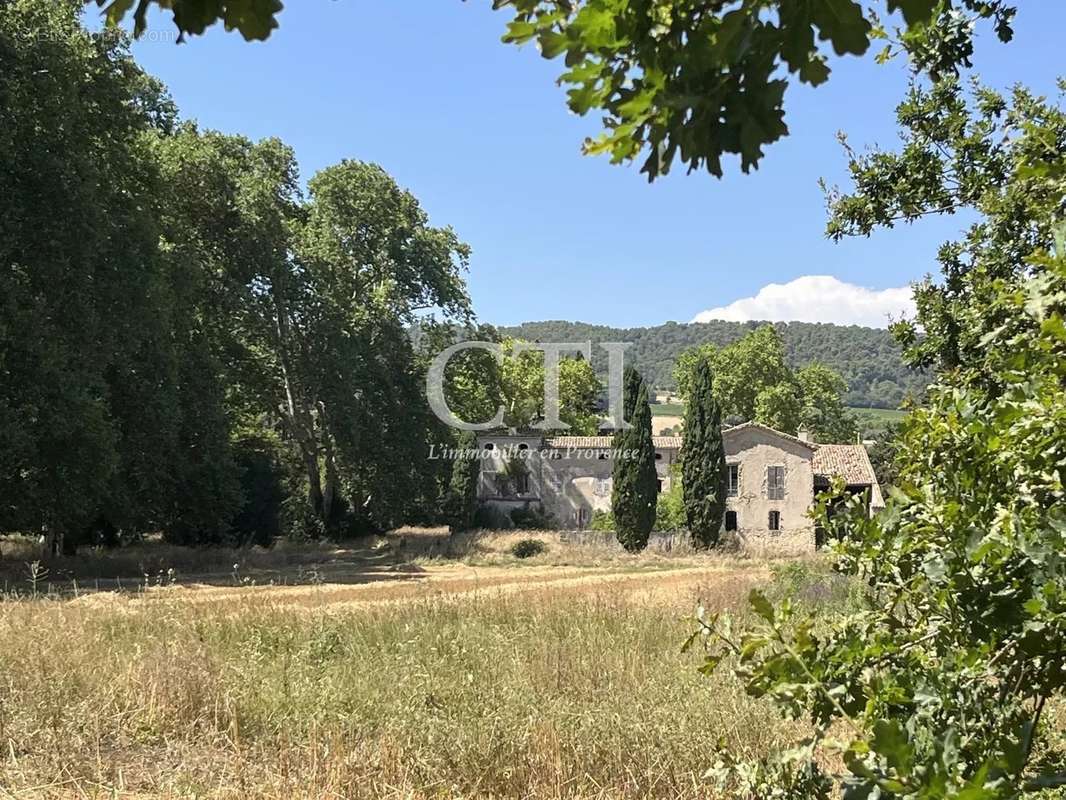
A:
(696, 80)
(688, 79)
(939, 685)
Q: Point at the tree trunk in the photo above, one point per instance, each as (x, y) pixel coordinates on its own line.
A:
(301, 425)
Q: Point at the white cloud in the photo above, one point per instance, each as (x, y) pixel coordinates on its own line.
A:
(818, 298)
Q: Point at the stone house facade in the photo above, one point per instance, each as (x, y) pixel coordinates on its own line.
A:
(772, 480)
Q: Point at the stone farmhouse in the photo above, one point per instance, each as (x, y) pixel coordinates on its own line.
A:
(772, 480)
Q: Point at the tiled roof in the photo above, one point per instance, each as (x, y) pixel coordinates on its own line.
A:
(667, 442)
(579, 442)
(606, 442)
(849, 461)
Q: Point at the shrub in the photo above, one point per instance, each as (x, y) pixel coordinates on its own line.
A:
(492, 519)
(527, 548)
(602, 521)
(258, 520)
(530, 518)
(461, 499)
(670, 507)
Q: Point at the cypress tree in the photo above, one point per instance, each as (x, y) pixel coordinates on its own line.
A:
(462, 488)
(703, 460)
(634, 490)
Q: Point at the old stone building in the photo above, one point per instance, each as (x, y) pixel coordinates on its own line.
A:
(772, 480)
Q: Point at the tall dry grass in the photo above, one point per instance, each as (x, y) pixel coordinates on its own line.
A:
(531, 695)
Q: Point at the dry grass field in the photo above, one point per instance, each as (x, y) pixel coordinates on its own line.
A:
(413, 667)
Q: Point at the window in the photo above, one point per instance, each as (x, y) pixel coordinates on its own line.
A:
(521, 483)
(732, 479)
(731, 520)
(774, 523)
(775, 483)
(659, 486)
(523, 447)
(658, 456)
(602, 457)
(489, 446)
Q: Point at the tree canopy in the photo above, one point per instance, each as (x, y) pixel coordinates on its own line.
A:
(752, 381)
(184, 329)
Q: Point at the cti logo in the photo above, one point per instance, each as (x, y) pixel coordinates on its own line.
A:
(552, 351)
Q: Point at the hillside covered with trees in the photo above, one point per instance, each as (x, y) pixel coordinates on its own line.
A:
(867, 358)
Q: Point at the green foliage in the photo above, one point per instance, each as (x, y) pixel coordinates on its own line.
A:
(491, 518)
(670, 507)
(602, 521)
(528, 548)
(522, 389)
(529, 518)
(255, 19)
(107, 373)
(868, 359)
(941, 680)
(873, 422)
(754, 382)
(823, 413)
(703, 465)
(262, 491)
(962, 151)
(686, 80)
(885, 456)
(634, 481)
(463, 485)
(208, 480)
(184, 286)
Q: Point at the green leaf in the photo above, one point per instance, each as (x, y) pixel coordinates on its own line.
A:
(890, 741)
(761, 606)
(815, 72)
(843, 23)
(915, 12)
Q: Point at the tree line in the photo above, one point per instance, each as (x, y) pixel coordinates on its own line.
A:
(191, 341)
(868, 359)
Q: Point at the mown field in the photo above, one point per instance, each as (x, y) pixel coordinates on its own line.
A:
(407, 670)
(874, 420)
(667, 409)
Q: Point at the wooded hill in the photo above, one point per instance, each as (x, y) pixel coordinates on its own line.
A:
(868, 358)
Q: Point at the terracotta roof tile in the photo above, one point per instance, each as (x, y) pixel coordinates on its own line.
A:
(850, 461)
(605, 442)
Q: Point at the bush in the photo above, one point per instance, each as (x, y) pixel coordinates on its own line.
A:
(530, 519)
(527, 548)
(492, 519)
(670, 506)
(258, 521)
(602, 521)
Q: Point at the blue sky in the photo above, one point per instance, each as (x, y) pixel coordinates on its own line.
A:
(480, 133)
